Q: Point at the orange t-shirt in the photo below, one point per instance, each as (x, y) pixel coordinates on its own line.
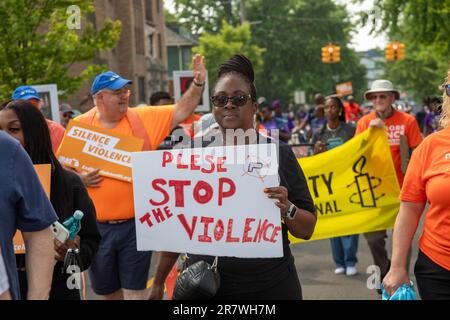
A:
(399, 123)
(56, 134)
(352, 111)
(427, 178)
(114, 200)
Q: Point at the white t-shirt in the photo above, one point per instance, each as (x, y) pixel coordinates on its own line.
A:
(4, 285)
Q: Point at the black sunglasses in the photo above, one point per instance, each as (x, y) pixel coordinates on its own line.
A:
(447, 89)
(237, 100)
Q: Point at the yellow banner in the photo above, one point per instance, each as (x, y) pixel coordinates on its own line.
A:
(87, 148)
(44, 173)
(354, 186)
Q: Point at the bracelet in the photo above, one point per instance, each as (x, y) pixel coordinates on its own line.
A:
(198, 84)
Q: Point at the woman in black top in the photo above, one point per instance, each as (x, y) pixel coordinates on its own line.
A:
(26, 123)
(253, 278)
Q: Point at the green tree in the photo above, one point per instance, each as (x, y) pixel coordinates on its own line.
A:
(424, 29)
(293, 32)
(200, 16)
(217, 48)
(39, 42)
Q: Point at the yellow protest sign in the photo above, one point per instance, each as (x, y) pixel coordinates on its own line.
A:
(44, 173)
(87, 148)
(354, 186)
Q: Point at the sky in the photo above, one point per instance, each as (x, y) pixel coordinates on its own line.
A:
(361, 40)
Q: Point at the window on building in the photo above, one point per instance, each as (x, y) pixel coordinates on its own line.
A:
(150, 45)
(173, 59)
(157, 6)
(138, 29)
(160, 46)
(141, 84)
(187, 57)
(149, 10)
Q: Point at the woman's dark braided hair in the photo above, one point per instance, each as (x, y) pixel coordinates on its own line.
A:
(241, 66)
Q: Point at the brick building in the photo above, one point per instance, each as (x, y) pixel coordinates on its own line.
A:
(141, 53)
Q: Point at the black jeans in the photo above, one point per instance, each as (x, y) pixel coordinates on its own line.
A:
(433, 281)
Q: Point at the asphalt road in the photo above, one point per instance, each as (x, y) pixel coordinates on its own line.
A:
(316, 271)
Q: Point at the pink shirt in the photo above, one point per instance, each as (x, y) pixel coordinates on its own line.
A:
(56, 134)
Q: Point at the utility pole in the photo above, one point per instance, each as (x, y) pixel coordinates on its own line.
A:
(242, 11)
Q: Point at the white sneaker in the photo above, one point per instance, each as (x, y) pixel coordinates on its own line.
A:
(339, 270)
(351, 271)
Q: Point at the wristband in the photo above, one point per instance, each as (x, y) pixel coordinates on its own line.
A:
(198, 84)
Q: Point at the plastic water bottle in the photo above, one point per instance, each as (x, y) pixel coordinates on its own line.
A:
(73, 224)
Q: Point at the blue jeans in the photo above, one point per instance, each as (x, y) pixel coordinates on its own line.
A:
(344, 250)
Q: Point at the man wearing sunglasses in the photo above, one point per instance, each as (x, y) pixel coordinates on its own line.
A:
(397, 123)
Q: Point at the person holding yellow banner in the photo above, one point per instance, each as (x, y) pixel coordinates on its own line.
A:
(119, 271)
(426, 181)
(397, 123)
(333, 134)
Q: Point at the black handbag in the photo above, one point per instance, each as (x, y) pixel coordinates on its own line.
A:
(199, 281)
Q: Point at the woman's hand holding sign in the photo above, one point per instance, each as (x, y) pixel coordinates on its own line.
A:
(281, 194)
(301, 223)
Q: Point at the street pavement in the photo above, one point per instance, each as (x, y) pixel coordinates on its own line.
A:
(316, 271)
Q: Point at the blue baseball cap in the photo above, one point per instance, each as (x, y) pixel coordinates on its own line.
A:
(108, 80)
(26, 93)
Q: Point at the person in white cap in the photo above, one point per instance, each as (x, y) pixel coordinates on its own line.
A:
(397, 123)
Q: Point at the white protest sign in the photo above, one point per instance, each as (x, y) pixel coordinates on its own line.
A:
(208, 201)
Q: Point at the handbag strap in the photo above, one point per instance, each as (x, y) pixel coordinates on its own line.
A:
(213, 266)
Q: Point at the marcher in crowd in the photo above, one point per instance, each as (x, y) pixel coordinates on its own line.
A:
(65, 114)
(67, 194)
(24, 206)
(161, 98)
(433, 116)
(30, 94)
(276, 128)
(426, 180)
(119, 271)
(319, 120)
(333, 134)
(352, 110)
(397, 123)
(234, 107)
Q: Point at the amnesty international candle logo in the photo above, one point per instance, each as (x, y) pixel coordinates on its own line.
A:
(87, 148)
(365, 185)
(354, 186)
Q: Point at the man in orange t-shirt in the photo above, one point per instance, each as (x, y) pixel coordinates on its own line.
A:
(119, 271)
(382, 94)
(426, 181)
(30, 94)
(352, 110)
